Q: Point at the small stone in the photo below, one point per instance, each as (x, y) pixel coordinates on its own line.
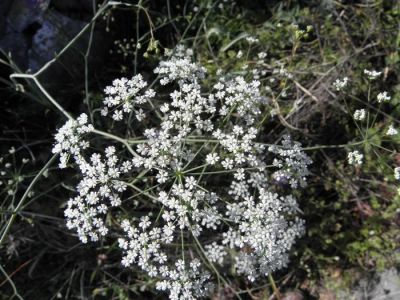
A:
(295, 295)
(24, 13)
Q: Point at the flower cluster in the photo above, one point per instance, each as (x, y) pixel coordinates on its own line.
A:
(205, 173)
(359, 114)
(383, 97)
(355, 158)
(180, 68)
(10, 178)
(262, 231)
(142, 246)
(124, 96)
(372, 75)
(341, 84)
(239, 97)
(185, 281)
(252, 40)
(70, 140)
(392, 131)
(291, 161)
(397, 173)
(99, 188)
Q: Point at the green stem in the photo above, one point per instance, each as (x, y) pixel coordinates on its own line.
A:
(116, 138)
(24, 196)
(274, 288)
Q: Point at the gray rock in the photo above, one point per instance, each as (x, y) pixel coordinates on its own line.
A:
(35, 33)
(388, 287)
(296, 295)
(384, 286)
(63, 5)
(16, 44)
(4, 8)
(24, 13)
(56, 31)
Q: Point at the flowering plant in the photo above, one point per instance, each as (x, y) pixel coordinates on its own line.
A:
(196, 170)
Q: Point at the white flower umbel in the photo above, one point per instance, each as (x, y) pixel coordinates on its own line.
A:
(355, 158)
(262, 231)
(372, 75)
(341, 84)
(99, 188)
(212, 158)
(291, 161)
(392, 131)
(126, 96)
(397, 173)
(69, 139)
(180, 68)
(252, 40)
(359, 114)
(206, 196)
(383, 97)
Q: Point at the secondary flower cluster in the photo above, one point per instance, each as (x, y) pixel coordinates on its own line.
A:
(261, 228)
(70, 140)
(339, 85)
(203, 175)
(124, 97)
(355, 157)
(291, 161)
(99, 188)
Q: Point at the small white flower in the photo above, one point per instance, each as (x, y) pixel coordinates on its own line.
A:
(359, 114)
(212, 158)
(239, 175)
(392, 131)
(190, 183)
(140, 115)
(104, 111)
(215, 253)
(262, 55)
(341, 84)
(372, 75)
(252, 40)
(162, 176)
(219, 86)
(397, 173)
(109, 151)
(164, 108)
(355, 158)
(383, 97)
(227, 163)
(144, 222)
(117, 116)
